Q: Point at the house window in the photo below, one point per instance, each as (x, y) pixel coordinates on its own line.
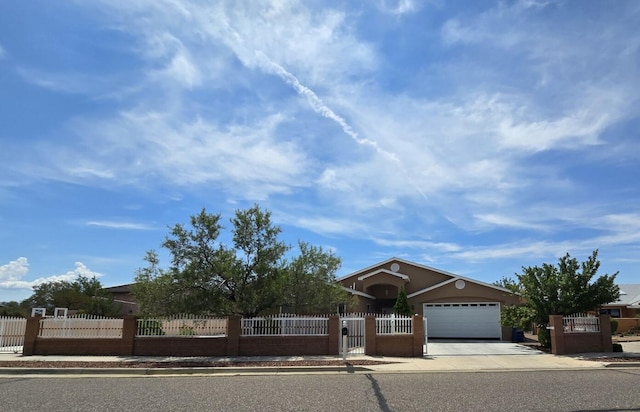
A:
(614, 313)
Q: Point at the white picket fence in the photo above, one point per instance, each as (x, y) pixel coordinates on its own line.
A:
(581, 323)
(285, 325)
(81, 326)
(12, 332)
(183, 326)
(394, 325)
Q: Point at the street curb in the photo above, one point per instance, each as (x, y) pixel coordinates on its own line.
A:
(622, 365)
(178, 371)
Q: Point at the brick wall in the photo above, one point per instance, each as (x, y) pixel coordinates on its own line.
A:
(232, 345)
(568, 343)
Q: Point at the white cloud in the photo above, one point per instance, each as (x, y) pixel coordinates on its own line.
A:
(14, 270)
(119, 225)
(12, 275)
(399, 7)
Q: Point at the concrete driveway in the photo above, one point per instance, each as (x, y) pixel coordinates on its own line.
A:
(470, 348)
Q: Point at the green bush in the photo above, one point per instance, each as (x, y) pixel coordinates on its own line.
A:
(544, 337)
(151, 327)
(617, 347)
(614, 326)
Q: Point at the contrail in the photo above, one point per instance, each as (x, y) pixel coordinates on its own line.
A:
(319, 107)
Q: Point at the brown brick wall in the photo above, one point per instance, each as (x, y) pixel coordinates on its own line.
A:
(232, 345)
(568, 343)
(53, 346)
(180, 346)
(284, 345)
(394, 345)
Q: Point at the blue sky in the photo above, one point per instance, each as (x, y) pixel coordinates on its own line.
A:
(474, 137)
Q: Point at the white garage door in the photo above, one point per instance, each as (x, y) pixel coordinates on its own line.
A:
(463, 320)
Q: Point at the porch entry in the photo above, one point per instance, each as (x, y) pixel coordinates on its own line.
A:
(355, 337)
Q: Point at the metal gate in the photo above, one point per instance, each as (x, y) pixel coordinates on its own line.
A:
(425, 349)
(12, 334)
(355, 338)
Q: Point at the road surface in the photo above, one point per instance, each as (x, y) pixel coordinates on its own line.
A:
(592, 390)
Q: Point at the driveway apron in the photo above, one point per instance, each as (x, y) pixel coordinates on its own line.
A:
(482, 348)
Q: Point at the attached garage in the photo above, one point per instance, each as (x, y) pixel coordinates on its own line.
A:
(463, 320)
(455, 307)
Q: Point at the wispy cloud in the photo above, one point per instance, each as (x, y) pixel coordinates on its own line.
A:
(451, 139)
(120, 225)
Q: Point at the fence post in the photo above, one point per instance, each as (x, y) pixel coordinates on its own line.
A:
(370, 347)
(129, 332)
(30, 335)
(333, 330)
(234, 330)
(418, 336)
(605, 333)
(556, 334)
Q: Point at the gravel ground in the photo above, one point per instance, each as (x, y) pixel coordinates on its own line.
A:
(183, 364)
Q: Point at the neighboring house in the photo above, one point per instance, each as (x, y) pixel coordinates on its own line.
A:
(627, 306)
(123, 297)
(455, 306)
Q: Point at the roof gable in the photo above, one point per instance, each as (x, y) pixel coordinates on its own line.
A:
(384, 271)
(378, 268)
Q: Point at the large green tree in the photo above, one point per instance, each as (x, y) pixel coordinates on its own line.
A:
(14, 309)
(311, 285)
(562, 289)
(84, 295)
(249, 277)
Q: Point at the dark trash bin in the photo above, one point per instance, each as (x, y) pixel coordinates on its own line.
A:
(517, 335)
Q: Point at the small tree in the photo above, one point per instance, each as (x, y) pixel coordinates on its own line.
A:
(402, 306)
(84, 294)
(564, 289)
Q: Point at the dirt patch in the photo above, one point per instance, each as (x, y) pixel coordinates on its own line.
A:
(616, 359)
(185, 364)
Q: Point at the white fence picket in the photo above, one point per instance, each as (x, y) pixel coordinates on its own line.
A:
(12, 332)
(81, 327)
(394, 325)
(285, 325)
(183, 326)
(581, 323)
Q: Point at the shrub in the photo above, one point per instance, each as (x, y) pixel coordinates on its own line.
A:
(617, 347)
(614, 326)
(151, 327)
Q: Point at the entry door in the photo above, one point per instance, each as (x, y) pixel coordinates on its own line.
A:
(463, 320)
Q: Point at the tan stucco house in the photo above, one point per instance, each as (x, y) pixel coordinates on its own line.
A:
(627, 306)
(455, 306)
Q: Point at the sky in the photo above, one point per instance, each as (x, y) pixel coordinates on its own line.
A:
(475, 137)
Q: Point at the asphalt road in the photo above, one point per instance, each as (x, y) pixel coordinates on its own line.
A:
(593, 390)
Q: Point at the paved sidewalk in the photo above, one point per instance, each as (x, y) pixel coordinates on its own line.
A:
(541, 361)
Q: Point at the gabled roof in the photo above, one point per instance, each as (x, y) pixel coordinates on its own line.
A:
(388, 272)
(629, 295)
(126, 288)
(357, 292)
(453, 276)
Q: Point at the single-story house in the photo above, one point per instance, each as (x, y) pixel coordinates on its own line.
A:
(627, 306)
(123, 298)
(455, 306)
